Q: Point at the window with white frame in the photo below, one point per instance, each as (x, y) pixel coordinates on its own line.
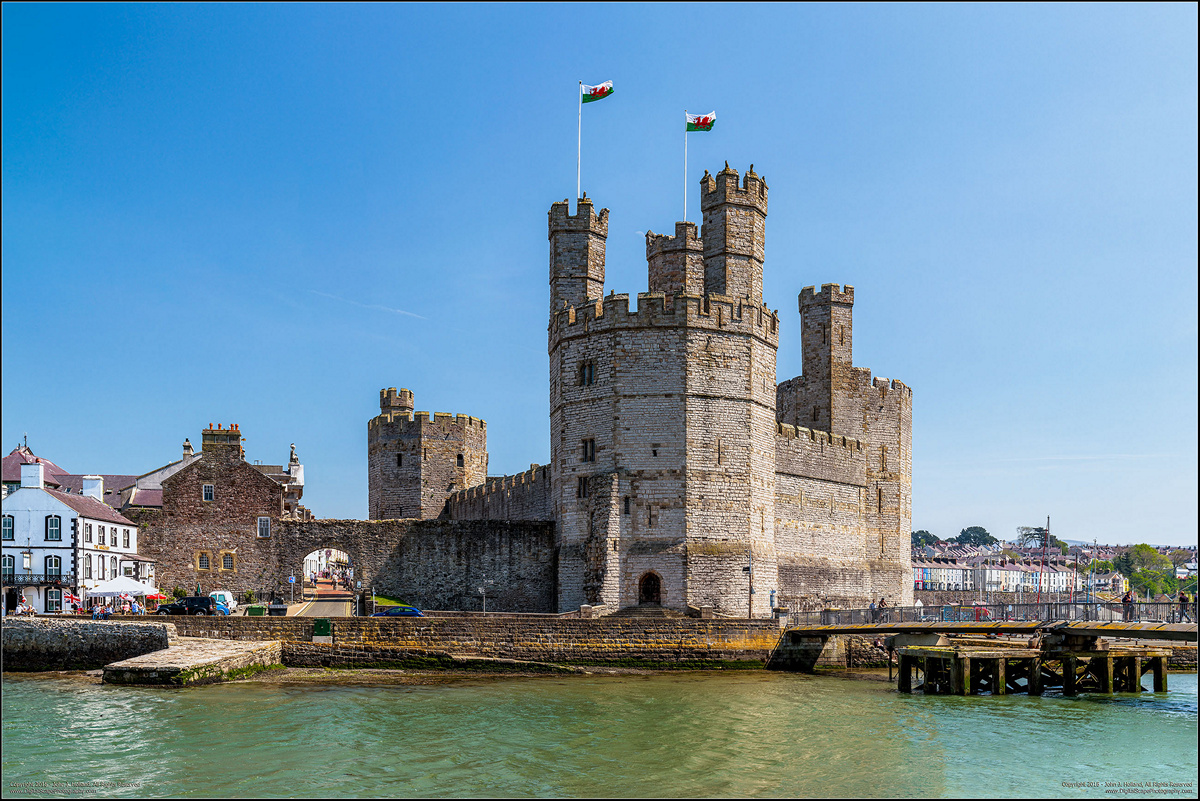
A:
(7, 565)
(87, 566)
(112, 536)
(264, 526)
(124, 538)
(202, 561)
(209, 492)
(7, 527)
(53, 528)
(53, 566)
(112, 564)
(99, 567)
(100, 534)
(53, 600)
(87, 532)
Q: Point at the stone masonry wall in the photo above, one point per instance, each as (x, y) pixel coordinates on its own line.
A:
(62, 644)
(188, 527)
(438, 564)
(525, 496)
(604, 641)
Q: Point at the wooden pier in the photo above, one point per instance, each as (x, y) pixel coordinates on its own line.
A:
(971, 670)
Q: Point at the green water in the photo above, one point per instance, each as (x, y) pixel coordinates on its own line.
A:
(704, 734)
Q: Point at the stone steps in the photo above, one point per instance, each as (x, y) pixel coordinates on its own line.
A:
(648, 611)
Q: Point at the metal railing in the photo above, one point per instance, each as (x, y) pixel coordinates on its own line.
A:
(1091, 611)
(34, 579)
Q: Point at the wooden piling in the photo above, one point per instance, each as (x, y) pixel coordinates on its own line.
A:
(1104, 673)
(1034, 683)
(1068, 675)
(1159, 665)
(1137, 675)
(905, 668)
(966, 675)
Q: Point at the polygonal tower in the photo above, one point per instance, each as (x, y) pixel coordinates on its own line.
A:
(663, 418)
(416, 460)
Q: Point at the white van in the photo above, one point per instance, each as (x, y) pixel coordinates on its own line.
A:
(224, 597)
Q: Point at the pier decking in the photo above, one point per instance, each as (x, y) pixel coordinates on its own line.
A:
(968, 670)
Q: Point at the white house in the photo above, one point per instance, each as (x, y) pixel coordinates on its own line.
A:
(54, 541)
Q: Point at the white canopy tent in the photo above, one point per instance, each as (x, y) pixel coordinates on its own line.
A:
(121, 585)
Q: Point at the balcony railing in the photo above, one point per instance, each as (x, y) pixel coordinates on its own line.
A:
(34, 579)
(1104, 612)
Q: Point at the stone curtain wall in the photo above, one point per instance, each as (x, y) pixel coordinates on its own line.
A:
(441, 565)
(525, 496)
(63, 644)
(438, 564)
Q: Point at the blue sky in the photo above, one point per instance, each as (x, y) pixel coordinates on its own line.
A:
(264, 214)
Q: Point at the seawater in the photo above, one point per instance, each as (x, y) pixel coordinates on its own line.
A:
(691, 734)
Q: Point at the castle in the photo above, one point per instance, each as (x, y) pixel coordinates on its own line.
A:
(681, 473)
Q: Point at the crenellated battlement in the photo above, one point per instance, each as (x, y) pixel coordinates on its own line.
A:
(392, 401)
(724, 189)
(830, 293)
(418, 420)
(656, 310)
(821, 437)
(686, 237)
(535, 474)
(584, 219)
(802, 451)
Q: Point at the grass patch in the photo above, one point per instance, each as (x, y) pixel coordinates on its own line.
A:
(383, 600)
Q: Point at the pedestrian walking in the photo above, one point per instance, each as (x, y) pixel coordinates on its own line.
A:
(1184, 612)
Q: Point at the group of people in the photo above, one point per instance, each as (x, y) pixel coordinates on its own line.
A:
(106, 610)
(878, 611)
(1183, 614)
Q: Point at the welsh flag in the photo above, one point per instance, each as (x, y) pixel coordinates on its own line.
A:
(600, 92)
(701, 122)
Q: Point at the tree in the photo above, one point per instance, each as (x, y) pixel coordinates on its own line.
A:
(922, 538)
(1101, 566)
(1140, 557)
(975, 535)
(1180, 557)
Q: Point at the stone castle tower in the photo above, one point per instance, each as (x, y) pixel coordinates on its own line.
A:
(415, 461)
(681, 473)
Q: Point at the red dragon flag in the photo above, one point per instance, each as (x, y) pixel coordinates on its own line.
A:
(600, 92)
(700, 122)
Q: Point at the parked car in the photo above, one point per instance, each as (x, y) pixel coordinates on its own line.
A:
(226, 598)
(397, 611)
(193, 605)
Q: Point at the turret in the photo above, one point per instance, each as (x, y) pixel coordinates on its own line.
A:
(576, 254)
(734, 233)
(827, 339)
(392, 401)
(676, 262)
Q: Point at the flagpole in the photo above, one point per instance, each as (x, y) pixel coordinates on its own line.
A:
(685, 165)
(579, 151)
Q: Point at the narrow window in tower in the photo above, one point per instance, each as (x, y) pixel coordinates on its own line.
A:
(879, 501)
(586, 374)
(654, 446)
(460, 460)
(581, 487)
(883, 458)
(719, 450)
(626, 508)
(824, 334)
(589, 450)
(816, 413)
(399, 460)
(841, 335)
(425, 453)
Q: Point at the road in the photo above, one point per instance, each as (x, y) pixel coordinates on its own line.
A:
(327, 608)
